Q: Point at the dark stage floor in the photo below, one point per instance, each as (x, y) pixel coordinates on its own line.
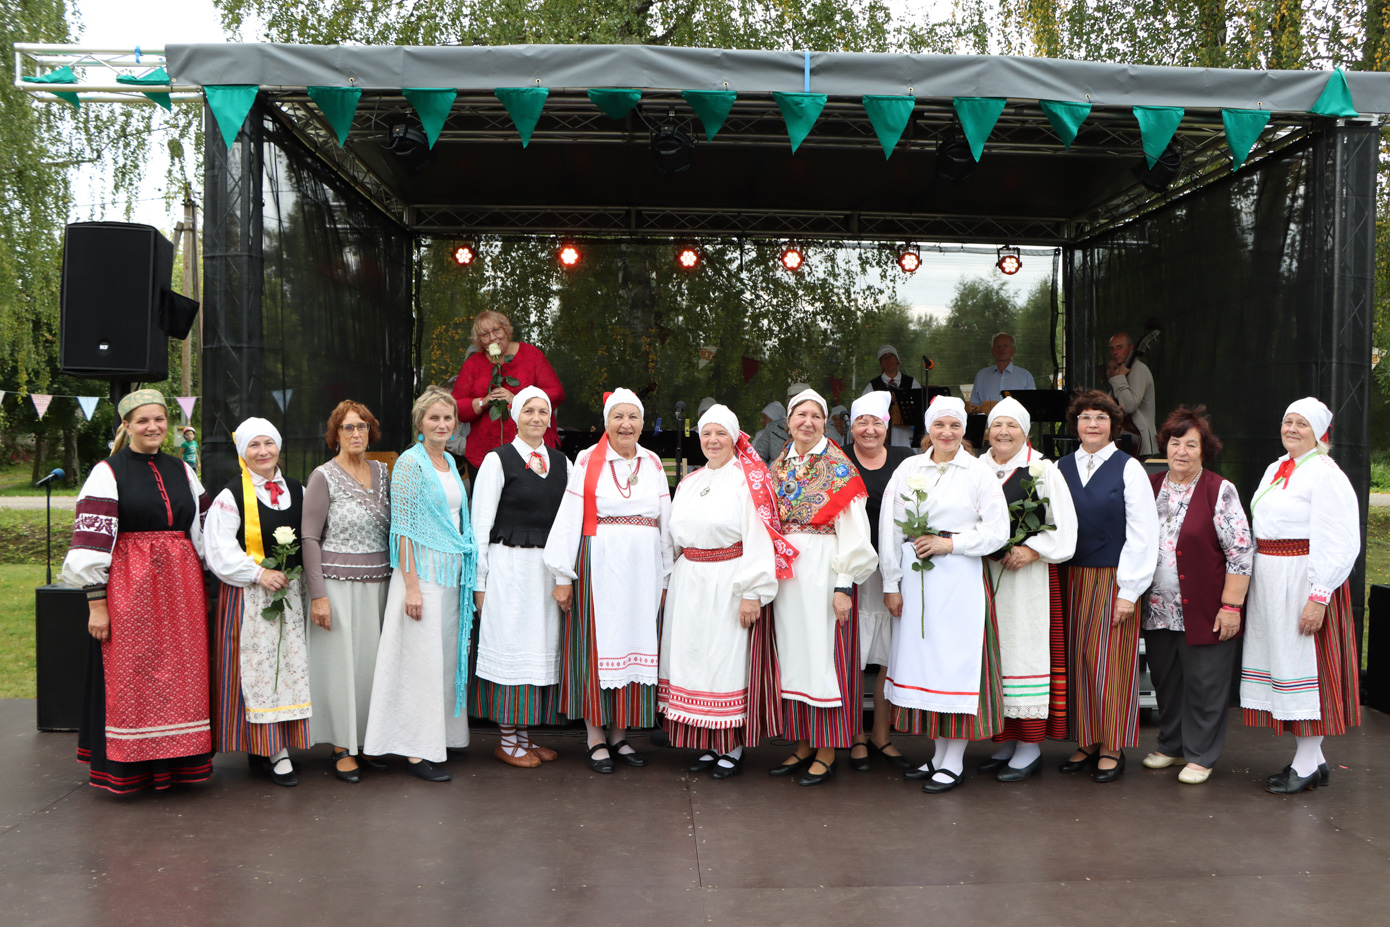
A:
(561, 845)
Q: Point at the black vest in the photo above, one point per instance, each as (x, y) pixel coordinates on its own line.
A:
(529, 502)
(1100, 511)
(272, 519)
(1013, 492)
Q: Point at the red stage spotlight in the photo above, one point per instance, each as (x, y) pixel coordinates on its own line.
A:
(909, 259)
(569, 255)
(1010, 260)
(688, 257)
(792, 257)
(465, 253)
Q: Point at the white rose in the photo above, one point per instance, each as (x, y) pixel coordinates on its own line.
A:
(918, 482)
(284, 535)
(1036, 468)
(494, 350)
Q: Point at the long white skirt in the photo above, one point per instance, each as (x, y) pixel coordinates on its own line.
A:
(804, 613)
(519, 633)
(342, 662)
(1023, 606)
(704, 648)
(412, 706)
(875, 623)
(938, 640)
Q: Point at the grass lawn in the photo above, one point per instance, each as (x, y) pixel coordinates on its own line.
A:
(14, 481)
(17, 584)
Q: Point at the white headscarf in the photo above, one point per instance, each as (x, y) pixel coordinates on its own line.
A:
(775, 411)
(944, 407)
(254, 428)
(876, 403)
(524, 396)
(804, 395)
(720, 415)
(705, 404)
(887, 349)
(621, 396)
(1317, 414)
(1009, 407)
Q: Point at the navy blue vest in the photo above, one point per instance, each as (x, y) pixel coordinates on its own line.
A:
(1100, 511)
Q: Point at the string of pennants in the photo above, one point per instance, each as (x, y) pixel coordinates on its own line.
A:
(88, 404)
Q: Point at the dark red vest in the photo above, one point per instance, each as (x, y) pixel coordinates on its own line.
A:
(1201, 561)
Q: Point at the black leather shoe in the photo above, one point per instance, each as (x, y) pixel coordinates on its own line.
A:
(706, 761)
(932, 787)
(859, 763)
(371, 762)
(1081, 765)
(1291, 783)
(1111, 774)
(288, 780)
(1324, 775)
(632, 758)
(347, 775)
(604, 765)
(917, 775)
(792, 768)
(1018, 774)
(810, 777)
(897, 761)
(727, 772)
(992, 764)
(427, 771)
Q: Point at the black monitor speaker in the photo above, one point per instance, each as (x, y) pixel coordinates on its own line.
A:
(61, 643)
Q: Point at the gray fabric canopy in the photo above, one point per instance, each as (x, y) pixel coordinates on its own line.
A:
(834, 73)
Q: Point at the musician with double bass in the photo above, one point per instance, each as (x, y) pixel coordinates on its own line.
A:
(1132, 386)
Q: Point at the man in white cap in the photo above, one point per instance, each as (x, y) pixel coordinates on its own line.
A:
(991, 382)
(898, 383)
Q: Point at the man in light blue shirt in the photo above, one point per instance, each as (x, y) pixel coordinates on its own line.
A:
(991, 382)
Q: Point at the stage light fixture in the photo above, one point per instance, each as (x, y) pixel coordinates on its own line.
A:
(465, 253)
(688, 257)
(569, 255)
(954, 161)
(909, 258)
(1164, 171)
(671, 146)
(1010, 260)
(409, 145)
(792, 257)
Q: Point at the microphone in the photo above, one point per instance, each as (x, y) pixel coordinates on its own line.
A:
(680, 409)
(57, 474)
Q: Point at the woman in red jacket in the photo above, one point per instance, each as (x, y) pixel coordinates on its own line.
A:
(524, 363)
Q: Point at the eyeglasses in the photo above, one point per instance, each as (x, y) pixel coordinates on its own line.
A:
(363, 427)
(492, 333)
(1099, 418)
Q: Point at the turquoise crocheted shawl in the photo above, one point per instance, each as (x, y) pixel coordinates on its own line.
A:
(442, 552)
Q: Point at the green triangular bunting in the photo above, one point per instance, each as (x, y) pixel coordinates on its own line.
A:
(800, 111)
(61, 75)
(1066, 118)
(524, 105)
(1156, 127)
(615, 103)
(337, 105)
(1335, 99)
(977, 118)
(712, 106)
(157, 77)
(432, 105)
(889, 115)
(1243, 128)
(230, 105)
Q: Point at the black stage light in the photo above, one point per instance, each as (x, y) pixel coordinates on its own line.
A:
(688, 257)
(465, 253)
(792, 257)
(1010, 260)
(909, 258)
(1164, 171)
(671, 146)
(408, 144)
(953, 158)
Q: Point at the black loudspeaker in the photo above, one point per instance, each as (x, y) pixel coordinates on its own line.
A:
(115, 301)
(1376, 689)
(60, 648)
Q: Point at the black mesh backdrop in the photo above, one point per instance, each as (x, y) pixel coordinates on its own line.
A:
(308, 300)
(1262, 285)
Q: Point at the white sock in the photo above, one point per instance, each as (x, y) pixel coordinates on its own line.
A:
(596, 737)
(1006, 750)
(619, 734)
(522, 738)
(1025, 754)
(510, 745)
(733, 755)
(1305, 758)
(937, 751)
(280, 762)
(950, 755)
(1321, 759)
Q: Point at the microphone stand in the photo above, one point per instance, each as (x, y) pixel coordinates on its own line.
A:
(48, 532)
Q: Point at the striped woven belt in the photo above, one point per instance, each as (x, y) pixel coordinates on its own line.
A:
(713, 554)
(808, 529)
(1293, 547)
(629, 520)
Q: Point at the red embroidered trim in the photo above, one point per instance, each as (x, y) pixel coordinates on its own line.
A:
(1294, 547)
(168, 509)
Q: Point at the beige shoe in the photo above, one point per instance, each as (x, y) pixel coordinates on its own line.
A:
(1159, 761)
(1194, 775)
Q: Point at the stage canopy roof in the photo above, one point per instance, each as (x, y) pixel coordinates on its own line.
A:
(557, 140)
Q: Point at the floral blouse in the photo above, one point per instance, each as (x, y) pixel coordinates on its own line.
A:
(1163, 611)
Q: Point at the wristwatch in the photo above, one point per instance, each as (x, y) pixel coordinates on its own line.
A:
(845, 589)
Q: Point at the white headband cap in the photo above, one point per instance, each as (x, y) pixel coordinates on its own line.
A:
(1009, 407)
(887, 349)
(622, 396)
(524, 396)
(720, 415)
(876, 402)
(254, 428)
(1317, 414)
(775, 411)
(813, 396)
(943, 407)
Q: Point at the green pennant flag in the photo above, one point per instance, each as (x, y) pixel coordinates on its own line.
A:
(977, 118)
(524, 105)
(712, 106)
(1243, 128)
(889, 115)
(615, 103)
(1066, 118)
(800, 111)
(230, 105)
(1156, 127)
(337, 105)
(1335, 99)
(432, 105)
(61, 75)
(158, 76)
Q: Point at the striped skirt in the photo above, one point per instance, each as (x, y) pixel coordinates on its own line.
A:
(230, 730)
(1054, 726)
(690, 737)
(1339, 694)
(831, 727)
(581, 696)
(514, 705)
(1103, 662)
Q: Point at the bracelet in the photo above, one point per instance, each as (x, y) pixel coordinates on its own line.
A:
(1225, 607)
(845, 589)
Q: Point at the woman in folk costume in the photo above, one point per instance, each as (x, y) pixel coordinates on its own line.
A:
(612, 542)
(420, 689)
(1116, 554)
(723, 526)
(261, 667)
(943, 675)
(517, 493)
(821, 500)
(1300, 666)
(1028, 599)
(136, 542)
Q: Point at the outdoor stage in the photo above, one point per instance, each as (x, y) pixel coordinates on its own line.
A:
(655, 845)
